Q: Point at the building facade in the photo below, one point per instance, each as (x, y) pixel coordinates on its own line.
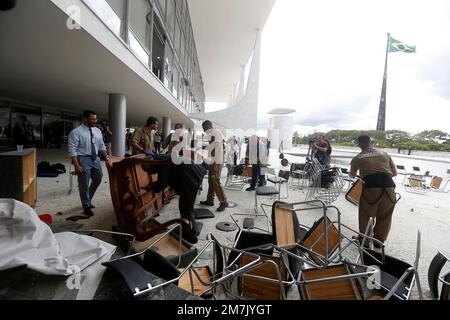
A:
(124, 59)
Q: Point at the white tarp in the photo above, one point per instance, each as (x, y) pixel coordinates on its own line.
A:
(26, 240)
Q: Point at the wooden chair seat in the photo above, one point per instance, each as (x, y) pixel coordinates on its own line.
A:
(205, 274)
(314, 240)
(436, 182)
(260, 289)
(347, 289)
(353, 195)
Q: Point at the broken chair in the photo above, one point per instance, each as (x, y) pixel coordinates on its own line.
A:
(397, 278)
(139, 270)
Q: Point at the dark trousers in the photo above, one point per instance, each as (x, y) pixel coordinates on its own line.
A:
(186, 203)
(257, 177)
(92, 170)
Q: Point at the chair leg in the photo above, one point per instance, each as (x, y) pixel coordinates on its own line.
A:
(419, 287)
(256, 203)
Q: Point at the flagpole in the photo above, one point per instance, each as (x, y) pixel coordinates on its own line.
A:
(381, 123)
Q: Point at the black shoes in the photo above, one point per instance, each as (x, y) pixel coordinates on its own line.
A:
(88, 212)
(250, 189)
(207, 203)
(222, 207)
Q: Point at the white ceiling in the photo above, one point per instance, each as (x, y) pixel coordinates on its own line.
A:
(43, 62)
(225, 33)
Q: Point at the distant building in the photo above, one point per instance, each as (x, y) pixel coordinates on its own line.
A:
(281, 128)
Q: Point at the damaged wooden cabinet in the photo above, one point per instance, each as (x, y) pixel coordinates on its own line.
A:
(135, 197)
(18, 176)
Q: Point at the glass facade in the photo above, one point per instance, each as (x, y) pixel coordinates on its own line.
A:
(34, 126)
(159, 33)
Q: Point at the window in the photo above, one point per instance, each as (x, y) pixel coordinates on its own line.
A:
(158, 49)
(139, 10)
(176, 80)
(27, 126)
(170, 17)
(5, 125)
(111, 12)
(162, 7)
(181, 53)
(137, 48)
(168, 68)
(118, 6)
(177, 36)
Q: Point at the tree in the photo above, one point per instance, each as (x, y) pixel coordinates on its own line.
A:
(432, 135)
(296, 138)
(397, 136)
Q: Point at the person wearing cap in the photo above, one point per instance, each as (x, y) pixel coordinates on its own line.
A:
(378, 197)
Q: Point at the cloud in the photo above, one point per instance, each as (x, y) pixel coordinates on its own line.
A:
(326, 60)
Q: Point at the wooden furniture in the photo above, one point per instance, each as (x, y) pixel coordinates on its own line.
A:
(353, 195)
(315, 241)
(189, 281)
(18, 176)
(346, 289)
(284, 227)
(133, 197)
(261, 289)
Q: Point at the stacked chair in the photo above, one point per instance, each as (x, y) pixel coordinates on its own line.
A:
(327, 185)
(317, 258)
(305, 173)
(137, 271)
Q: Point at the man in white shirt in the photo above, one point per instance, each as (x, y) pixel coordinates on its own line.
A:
(85, 143)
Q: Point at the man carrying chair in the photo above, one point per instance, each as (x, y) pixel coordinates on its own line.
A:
(378, 197)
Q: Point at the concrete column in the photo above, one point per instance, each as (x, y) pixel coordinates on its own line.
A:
(166, 126)
(117, 123)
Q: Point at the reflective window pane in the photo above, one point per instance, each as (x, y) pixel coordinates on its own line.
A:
(5, 125)
(177, 36)
(162, 7)
(109, 12)
(170, 17)
(139, 9)
(175, 82)
(137, 48)
(168, 68)
(118, 6)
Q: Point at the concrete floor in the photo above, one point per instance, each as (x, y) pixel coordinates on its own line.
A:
(428, 213)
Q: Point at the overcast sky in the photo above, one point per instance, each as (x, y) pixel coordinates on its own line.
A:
(325, 58)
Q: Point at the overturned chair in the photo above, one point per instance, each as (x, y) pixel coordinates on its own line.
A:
(435, 275)
(271, 279)
(138, 271)
(327, 185)
(397, 278)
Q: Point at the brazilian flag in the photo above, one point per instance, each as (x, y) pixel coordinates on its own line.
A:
(397, 46)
